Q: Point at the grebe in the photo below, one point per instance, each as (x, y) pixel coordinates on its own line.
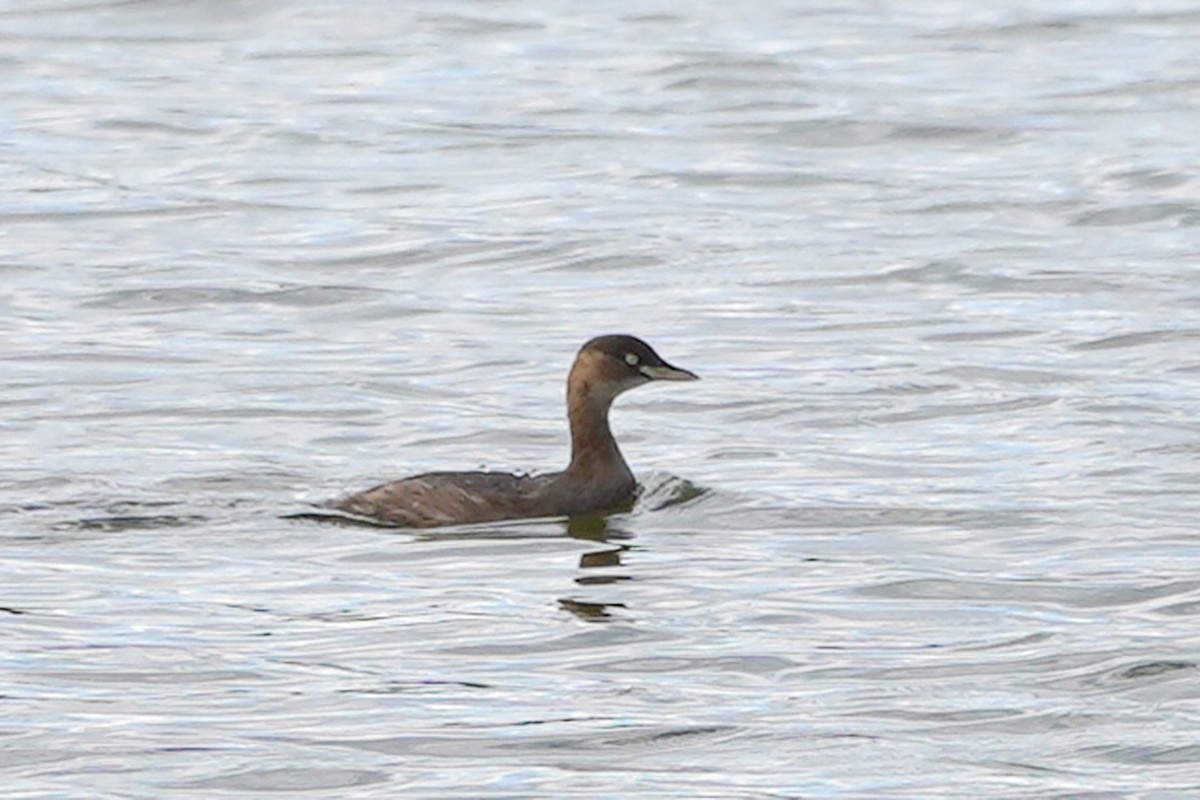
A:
(596, 480)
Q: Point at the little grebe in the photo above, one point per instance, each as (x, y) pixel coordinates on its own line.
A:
(596, 480)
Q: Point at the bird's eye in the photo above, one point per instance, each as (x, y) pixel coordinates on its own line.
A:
(631, 359)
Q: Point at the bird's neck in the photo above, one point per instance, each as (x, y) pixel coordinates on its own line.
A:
(593, 448)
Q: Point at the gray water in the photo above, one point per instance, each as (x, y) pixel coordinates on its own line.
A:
(926, 528)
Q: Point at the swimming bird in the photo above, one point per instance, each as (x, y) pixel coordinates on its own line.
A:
(596, 480)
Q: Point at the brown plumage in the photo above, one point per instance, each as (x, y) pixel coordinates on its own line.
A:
(596, 480)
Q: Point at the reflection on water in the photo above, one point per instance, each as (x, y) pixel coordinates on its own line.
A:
(599, 567)
(927, 527)
(590, 612)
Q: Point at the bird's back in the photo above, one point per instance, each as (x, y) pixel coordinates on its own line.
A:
(448, 498)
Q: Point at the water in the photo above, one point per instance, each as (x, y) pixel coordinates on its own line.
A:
(927, 526)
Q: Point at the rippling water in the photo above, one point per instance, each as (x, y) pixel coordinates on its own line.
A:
(926, 528)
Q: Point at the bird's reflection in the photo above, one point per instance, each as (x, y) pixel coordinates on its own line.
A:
(602, 558)
(603, 531)
(590, 612)
(595, 528)
(599, 566)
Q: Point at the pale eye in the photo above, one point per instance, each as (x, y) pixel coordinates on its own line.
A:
(631, 359)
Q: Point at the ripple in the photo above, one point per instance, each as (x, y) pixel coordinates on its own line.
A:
(130, 523)
(1090, 596)
(967, 409)
(751, 665)
(1138, 339)
(185, 297)
(616, 740)
(1183, 213)
(1147, 756)
(290, 780)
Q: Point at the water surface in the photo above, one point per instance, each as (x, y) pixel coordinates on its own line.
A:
(927, 526)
